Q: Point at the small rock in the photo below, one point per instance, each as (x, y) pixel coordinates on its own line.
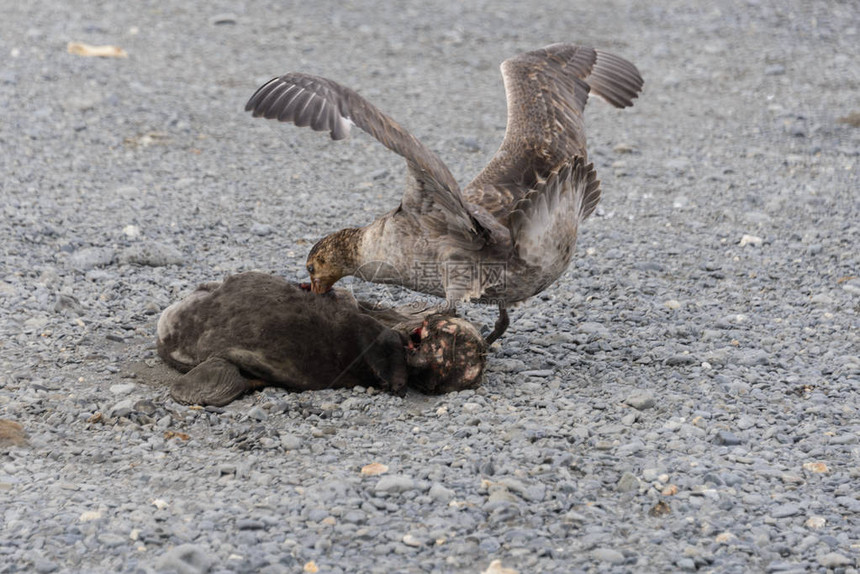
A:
(470, 144)
(686, 564)
(725, 538)
(12, 434)
(728, 438)
(43, 566)
(152, 254)
(818, 467)
(394, 483)
(90, 515)
(815, 522)
(785, 510)
(672, 304)
(774, 70)
(257, 413)
(122, 408)
(627, 483)
(122, 388)
(374, 469)
(251, 524)
(750, 240)
(261, 229)
(641, 400)
(223, 19)
(131, 231)
(91, 257)
(186, 559)
(440, 493)
(593, 328)
(290, 442)
(542, 373)
(852, 286)
(66, 302)
(410, 540)
(608, 555)
(834, 560)
(496, 567)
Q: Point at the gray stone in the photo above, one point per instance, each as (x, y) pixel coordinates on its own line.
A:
(186, 559)
(440, 493)
(834, 560)
(257, 413)
(727, 438)
(394, 483)
(122, 388)
(152, 254)
(785, 510)
(627, 483)
(608, 555)
(542, 373)
(290, 441)
(91, 257)
(641, 400)
(261, 229)
(122, 408)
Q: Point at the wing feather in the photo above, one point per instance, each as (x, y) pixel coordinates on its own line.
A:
(325, 105)
(546, 91)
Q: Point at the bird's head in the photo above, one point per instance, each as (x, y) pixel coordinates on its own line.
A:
(332, 258)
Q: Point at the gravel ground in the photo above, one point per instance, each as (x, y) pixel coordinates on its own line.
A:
(683, 399)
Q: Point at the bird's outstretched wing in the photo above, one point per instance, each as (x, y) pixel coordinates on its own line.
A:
(546, 92)
(544, 223)
(324, 105)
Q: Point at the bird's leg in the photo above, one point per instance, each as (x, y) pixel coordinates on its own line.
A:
(501, 325)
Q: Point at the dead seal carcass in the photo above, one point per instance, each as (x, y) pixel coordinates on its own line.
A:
(255, 330)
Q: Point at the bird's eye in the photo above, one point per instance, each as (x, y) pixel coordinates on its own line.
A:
(311, 268)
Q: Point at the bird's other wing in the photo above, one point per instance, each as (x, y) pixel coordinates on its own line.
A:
(325, 105)
(546, 92)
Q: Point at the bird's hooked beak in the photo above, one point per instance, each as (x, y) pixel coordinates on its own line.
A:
(319, 287)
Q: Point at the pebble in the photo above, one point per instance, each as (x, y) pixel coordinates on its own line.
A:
(394, 483)
(122, 388)
(627, 483)
(290, 442)
(834, 560)
(785, 510)
(261, 229)
(753, 240)
(122, 408)
(152, 254)
(774, 70)
(608, 555)
(258, 414)
(186, 559)
(815, 522)
(440, 493)
(91, 257)
(641, 399)
(727, 438)
(541, 373)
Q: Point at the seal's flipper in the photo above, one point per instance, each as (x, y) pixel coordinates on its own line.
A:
(215, 381)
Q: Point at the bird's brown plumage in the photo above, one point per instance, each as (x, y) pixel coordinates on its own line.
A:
(521, 212)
